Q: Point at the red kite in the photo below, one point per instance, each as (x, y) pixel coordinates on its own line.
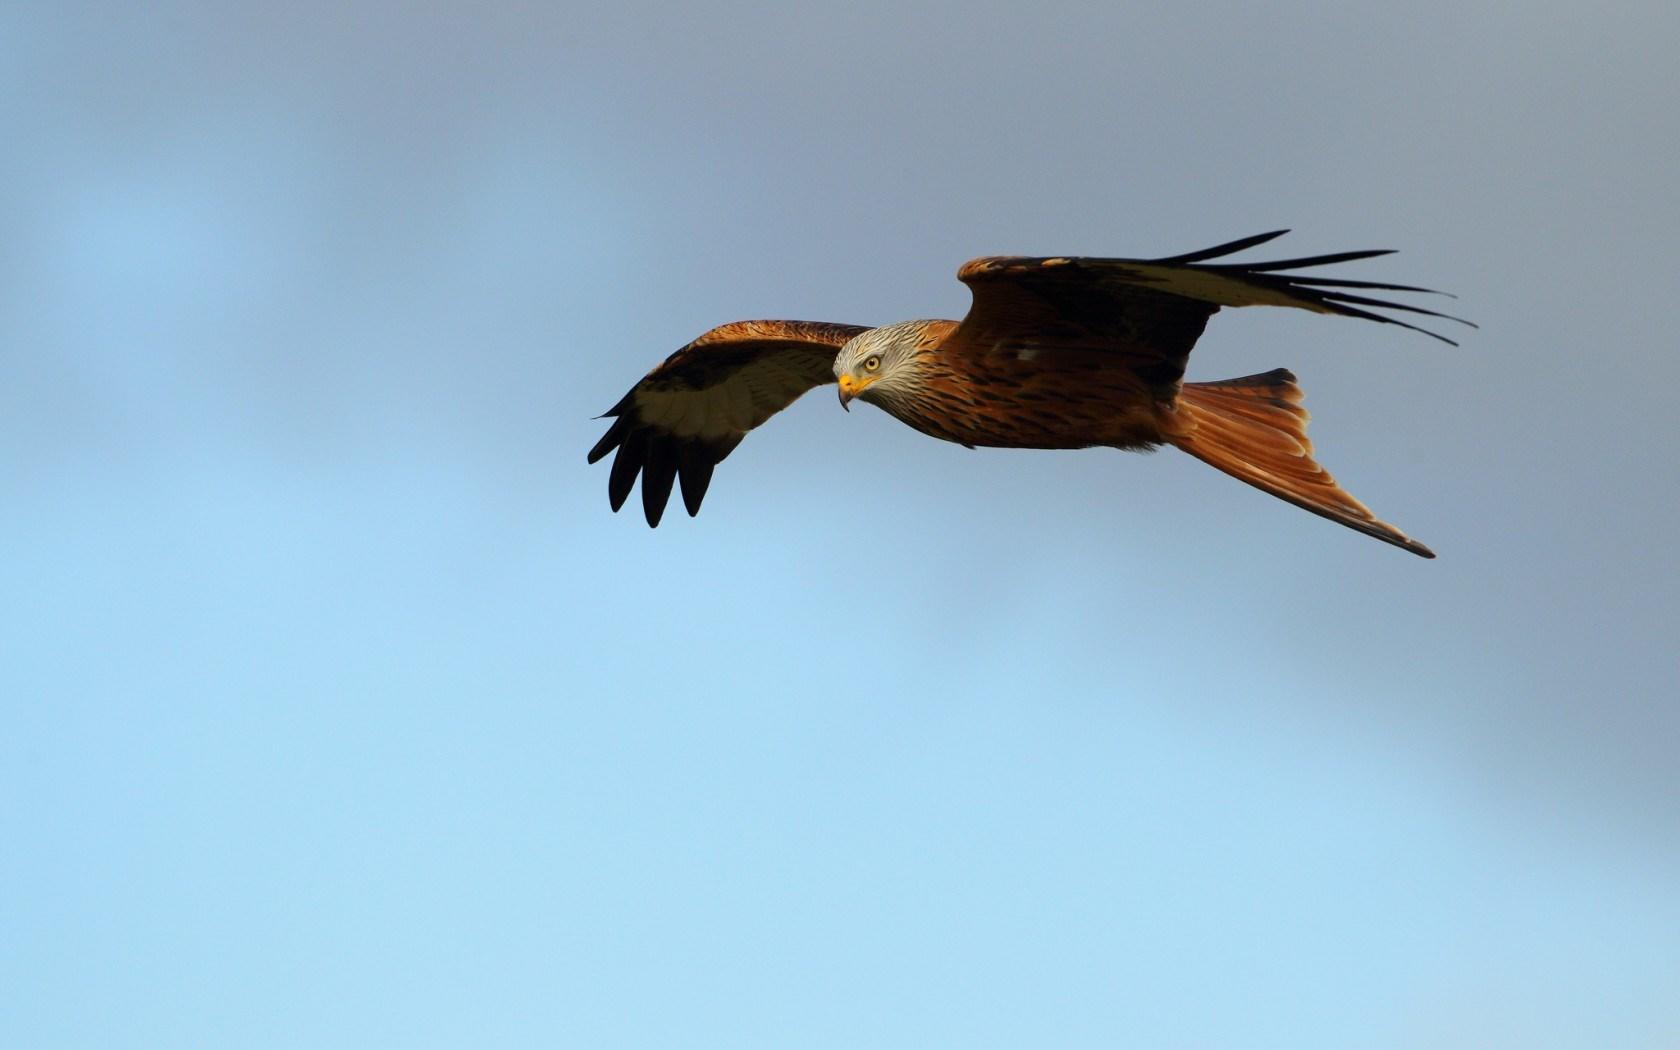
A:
(1054, 353)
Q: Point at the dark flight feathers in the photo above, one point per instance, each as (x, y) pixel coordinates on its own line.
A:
(691, 411)
(1094, 284)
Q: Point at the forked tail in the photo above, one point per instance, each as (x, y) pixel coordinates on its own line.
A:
(1255, 429)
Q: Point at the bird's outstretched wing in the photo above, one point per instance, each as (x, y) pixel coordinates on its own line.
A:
(1151, 311)
(691, 411)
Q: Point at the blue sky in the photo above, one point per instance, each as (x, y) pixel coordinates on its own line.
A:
(337, 709)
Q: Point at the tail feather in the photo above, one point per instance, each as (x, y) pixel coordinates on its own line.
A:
(1255, 430)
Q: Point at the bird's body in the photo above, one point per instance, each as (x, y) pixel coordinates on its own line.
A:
(1019, 397)
(1056, 353)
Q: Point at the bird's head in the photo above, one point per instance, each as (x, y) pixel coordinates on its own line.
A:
(879, 364)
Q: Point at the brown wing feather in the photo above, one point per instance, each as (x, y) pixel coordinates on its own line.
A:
(1148, 312)
(691, 411)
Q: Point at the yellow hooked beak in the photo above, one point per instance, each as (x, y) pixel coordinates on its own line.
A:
(850, 388)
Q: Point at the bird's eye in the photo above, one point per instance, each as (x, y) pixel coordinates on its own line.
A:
(872, 362)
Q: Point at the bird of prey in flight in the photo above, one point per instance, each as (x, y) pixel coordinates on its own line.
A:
(1055, 353)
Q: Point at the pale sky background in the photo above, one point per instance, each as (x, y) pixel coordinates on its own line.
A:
(337, 710)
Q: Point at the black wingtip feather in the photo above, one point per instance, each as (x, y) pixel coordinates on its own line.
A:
(1228, 248)
(657, 476)
(1309, 260)
(1354, 311)
(619, 409)
(626, 465)
(1378, 286)
(610, 440)
(1360, 300)
(694, 467)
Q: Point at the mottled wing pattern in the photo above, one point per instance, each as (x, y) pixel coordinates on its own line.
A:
(1150, 311)
(691, 411)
